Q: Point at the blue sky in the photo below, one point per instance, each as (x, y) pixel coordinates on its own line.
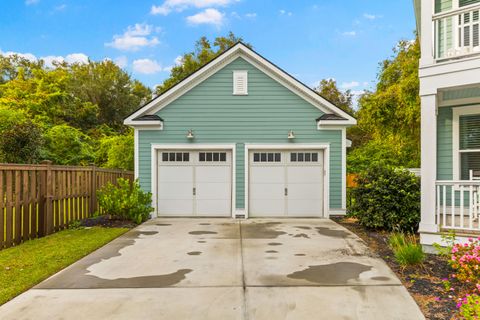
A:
(310, 39)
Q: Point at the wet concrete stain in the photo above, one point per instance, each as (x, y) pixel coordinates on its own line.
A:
(336, 273)
(163, 224)
(194, 253)
(301, 235)
(201, 241)
(271, 258)
(332, 233)
(264, 230)
(300, 254)
(275, 244)
(303, 227)
(204, 224)
(199, 233)
(380, 278)
(271, 251)
(147, 233)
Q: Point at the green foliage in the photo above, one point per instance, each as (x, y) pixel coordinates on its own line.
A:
(449, 239)
(470, 307)
(116, 152)
(126, 200)
(66, 145)
(328, 89)
(387, 198)
(406, 249)
(203, 53)
(21, 143)
(390, 114)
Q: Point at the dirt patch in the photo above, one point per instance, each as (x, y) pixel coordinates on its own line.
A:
(199, 233)
(423, 282)
(336, 273)
(107, 222)
(261, 230)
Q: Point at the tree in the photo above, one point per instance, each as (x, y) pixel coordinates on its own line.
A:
(116, 152)
(343, 99)
(21, 143)
(203, 53)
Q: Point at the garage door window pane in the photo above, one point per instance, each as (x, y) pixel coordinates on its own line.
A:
(315, 157)
(172, 156)
(164, 156)
(293, 157)
(209, 156)
(179, 157)
(300, 157)
(307, 157)
(216, 156)
(256, 157)
(202, 156)
(270, 157)
(263, 157)
(278, 158)
(186, 157)
(223, 157)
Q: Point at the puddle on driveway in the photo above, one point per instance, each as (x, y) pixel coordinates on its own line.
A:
(300, 254)
(202, 241)
(332, 233)
(336, 273)
(261, 230)
(301, 235)
(199, 233)
(271, 251)
(303, 227)
(163, 224)
(380, 278)
(204, 224)
(194, 253)
(275, 244)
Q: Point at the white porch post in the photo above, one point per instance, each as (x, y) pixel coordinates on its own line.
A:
(428, 162)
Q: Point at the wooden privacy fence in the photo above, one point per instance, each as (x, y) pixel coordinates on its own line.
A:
(37, 200)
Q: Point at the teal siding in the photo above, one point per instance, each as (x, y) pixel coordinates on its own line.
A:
(444, 144)
(264, 116)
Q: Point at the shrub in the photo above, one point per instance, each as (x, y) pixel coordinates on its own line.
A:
(465, 260)
(470, 307)
(406, 249)
(126, 200)
(387, 198)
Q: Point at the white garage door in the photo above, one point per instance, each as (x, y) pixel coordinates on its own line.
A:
(286, 183)
(194, 183)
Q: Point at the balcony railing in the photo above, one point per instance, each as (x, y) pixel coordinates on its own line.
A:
(458, 205)
(457, 32)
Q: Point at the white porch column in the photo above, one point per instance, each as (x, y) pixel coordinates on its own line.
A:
(428, 162)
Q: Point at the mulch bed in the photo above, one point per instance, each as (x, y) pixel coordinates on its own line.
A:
(107, 222)
(423, 282)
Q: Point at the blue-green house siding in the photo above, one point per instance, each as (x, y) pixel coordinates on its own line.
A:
(265, 115)
(444, 144)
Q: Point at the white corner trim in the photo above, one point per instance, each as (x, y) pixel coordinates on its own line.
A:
(300, 146)
(145, 125)
(335, 123)
(457, 112)
(344, 169)
(135, 152)
(240, 50)
(185, 146)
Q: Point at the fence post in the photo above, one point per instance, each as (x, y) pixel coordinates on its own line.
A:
(93, 190)
(45, 214)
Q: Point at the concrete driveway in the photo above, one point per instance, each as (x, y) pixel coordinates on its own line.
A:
(223, 269)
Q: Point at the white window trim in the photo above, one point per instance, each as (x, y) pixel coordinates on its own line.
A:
(457, 112)
(184, 146)
(326, 167)
(240, 73)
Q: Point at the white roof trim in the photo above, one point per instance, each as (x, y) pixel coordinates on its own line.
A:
(328, 123)
(240, 50)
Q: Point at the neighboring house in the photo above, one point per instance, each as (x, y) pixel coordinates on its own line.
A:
(450, 102)
(242, 138)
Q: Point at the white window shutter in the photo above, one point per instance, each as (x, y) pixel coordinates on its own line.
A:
(240, 82)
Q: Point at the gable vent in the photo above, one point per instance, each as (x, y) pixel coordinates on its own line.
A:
(240, 82)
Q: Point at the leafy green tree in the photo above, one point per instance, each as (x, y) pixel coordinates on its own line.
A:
(203, 53)
(116, 152)
(328, 89)
(66, 145)
(21, 143)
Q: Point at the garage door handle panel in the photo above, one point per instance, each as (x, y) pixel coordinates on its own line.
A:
(194, 191)
(286, 191)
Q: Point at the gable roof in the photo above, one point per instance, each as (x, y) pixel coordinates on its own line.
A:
(264, 65)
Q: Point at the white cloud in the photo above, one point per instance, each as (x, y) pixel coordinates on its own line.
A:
(350, 33)
(135, 37)
(146, 66)
(285, 13)
(369, 16)
(121, 61)
(30, 2)
(350, 85)
(251, 15)
(208, 16)
(49, 60)
(177, 62)
(180, 5)
(76, 58)
(28, 56)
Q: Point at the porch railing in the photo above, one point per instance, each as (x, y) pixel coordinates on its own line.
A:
(458, 205)
(457, 32)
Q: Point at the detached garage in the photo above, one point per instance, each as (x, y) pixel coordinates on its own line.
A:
(241, 138)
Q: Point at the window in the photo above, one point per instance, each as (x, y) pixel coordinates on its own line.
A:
(304, 157)
(175, 156)
(469, 146)
(212, 157)
(267, 157)
(240, 82)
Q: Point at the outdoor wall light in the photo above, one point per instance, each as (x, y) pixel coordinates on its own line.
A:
(190, 134)
(291, 135)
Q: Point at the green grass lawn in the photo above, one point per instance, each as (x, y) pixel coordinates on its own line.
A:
(26, 265)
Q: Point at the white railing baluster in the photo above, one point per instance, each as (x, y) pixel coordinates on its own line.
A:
(444, 206)
(471, 208)
(438, 204)
(462, 190)
(452, 205)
